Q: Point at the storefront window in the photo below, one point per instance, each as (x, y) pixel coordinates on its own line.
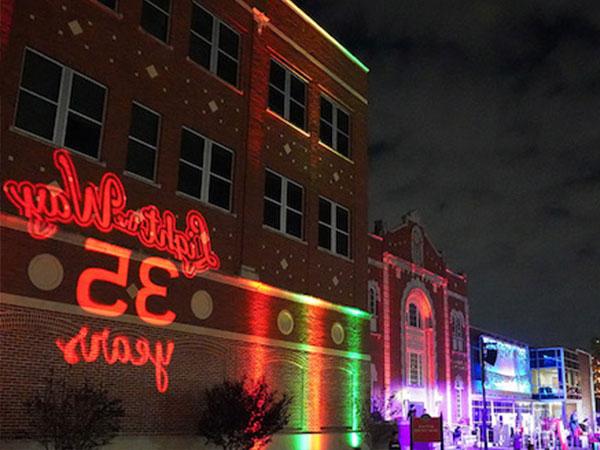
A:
(546, 374)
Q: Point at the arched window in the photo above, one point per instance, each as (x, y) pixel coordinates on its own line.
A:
(414, 316)
(458, 331)
(374, 304)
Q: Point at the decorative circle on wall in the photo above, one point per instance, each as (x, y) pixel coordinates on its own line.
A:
(202, 305)
(45, 271)
(337, 333)
(285, 322)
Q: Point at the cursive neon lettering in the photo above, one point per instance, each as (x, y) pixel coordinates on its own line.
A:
(103, 206)
(119, 350)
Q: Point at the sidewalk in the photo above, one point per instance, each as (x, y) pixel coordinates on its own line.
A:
(480, 447)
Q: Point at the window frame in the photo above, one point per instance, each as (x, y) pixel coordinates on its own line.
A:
(373, 304)
(458, 392)
(418, 316)
(62, 104)
(335, 107)
(287, 94)
(420, 379)
(139, 141)
(206, 170)
(167, 13)
(213, 63)
(115, 9)
(458, 331)
(333, 228)
(283, 206)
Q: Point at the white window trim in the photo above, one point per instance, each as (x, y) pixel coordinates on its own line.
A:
(458, 392)
(420, 366)
(283, 206)
(215, 45)
(335, 107)
(458, 324)
(333, 227)
(146, 144)
(62, 105)
(166, 13)
(206, 171)
(287, 94)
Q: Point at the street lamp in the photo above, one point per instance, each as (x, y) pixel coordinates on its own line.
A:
(488, 353)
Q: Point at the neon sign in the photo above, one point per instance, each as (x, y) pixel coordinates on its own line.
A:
(103, 206)
(119, 278)
(121, 350)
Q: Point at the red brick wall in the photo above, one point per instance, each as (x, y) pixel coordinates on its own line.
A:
(6, 12)
(113, 50)
(181, 93)
(198, 362)
(200, 358)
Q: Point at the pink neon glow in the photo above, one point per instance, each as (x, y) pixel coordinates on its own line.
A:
(103, 207)
(469, 380)
(418, 297)
(78, 349)
(387, 339)
(447, 352)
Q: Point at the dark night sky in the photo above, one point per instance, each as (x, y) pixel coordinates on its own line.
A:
(485, 116)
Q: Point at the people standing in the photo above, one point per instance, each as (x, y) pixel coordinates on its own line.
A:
(412, 412)
(574, 429)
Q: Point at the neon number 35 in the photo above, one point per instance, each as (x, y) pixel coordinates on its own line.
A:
(149, 288)
(88, 276)
(119, 278)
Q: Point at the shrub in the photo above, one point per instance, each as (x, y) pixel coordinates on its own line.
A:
(66, 416)
(238, 415)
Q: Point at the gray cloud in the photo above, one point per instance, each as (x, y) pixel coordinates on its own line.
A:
(485, 116)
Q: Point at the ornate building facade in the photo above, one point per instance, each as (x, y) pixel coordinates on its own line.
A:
(419, 328)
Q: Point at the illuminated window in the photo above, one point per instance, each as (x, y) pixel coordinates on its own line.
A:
(214, 45)
(283, 204)
(458, 389)
(155, 18)
(458, 331)
(415, 376)
(334, 227)
(414, 316)
(287, 94)
(60, 105)
(374, 304)
(335, 127)
(142, 148)
(197, 154)
(112, 4)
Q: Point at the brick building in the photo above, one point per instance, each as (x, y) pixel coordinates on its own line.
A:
(419, 328)
(596, 372)
(219, 226)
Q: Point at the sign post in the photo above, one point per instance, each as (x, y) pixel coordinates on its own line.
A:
(426, 430)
